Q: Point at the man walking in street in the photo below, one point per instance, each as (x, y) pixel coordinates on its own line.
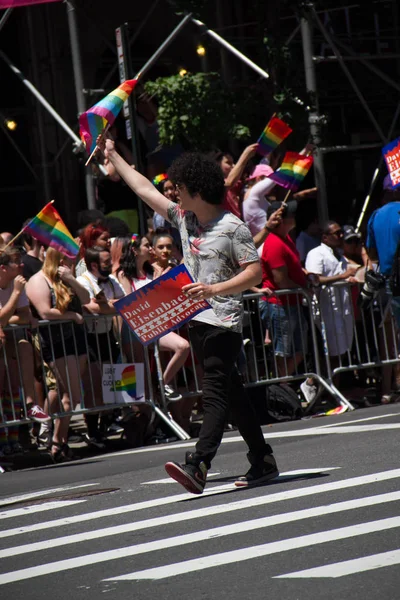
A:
(221, 257)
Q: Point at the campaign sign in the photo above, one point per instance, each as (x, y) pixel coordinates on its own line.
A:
(391, 154)
(160, 306)
(123, 384)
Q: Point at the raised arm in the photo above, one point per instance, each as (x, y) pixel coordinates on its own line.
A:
(139, 184)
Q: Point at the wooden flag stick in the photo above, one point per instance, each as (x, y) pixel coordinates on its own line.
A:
(19, 233)
(96, 147)
(286, 198)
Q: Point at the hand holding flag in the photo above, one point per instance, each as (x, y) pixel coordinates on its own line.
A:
(98, 119)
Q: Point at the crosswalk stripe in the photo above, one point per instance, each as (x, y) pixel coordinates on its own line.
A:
(348, 567)
(286, 474)
(200, 535)
(341, 428)
(246, 503)
(225, 558)
(33, 495)
(28, 510)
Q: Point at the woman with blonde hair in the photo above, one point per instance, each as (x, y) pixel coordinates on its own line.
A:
(56, 295)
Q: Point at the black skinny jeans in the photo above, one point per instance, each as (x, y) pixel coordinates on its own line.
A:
(217, 350)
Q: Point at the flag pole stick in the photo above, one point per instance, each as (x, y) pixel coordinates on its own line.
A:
(96, 147)
(19, 233)
(286, 198)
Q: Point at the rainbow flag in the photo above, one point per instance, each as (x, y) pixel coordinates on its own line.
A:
(292, 170)
(93, 122)
(273, 135)
(127, 383)
(49, 228)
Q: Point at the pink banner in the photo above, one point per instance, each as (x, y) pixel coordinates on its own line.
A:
(17, 3)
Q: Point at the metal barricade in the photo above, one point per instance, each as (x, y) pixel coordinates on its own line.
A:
(281, 341)
(68, 360)
(356, 337)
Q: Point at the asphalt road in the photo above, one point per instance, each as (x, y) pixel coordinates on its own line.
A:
(327, 528)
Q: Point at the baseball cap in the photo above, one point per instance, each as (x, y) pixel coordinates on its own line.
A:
(350, 232)
(290, 211)
(260, 170)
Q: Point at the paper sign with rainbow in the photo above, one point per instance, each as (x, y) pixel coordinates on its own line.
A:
(123, 384)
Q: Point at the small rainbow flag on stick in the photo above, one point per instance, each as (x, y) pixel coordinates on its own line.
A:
(292, 170)
(273, 135)
(93, 122)
(49, 228)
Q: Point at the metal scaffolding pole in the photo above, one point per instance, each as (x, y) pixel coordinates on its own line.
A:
(346, 71)
(314, 118)
(80, 98)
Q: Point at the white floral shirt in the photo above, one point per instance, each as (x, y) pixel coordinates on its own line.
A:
(213, 253)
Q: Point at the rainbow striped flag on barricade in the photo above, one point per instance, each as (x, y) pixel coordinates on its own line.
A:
(49, 228)
(93, 122)
(273, 135)
(292, 170)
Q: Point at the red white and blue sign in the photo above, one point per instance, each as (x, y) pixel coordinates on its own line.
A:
(160, 306)
(391, 154)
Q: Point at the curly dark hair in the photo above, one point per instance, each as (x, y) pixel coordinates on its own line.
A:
(200, 175)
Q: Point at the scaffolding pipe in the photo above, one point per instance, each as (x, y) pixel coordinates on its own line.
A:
(346, 71)
(80, 97)
(232, 49)
(314, 119)
(42, 100)
(164, 45)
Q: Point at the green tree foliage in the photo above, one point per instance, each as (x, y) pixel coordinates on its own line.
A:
(197, 110)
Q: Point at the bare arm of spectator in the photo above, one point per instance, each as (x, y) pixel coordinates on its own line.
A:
(239, 167)
(282, 280)
(269, 226)
(137, 182)
(39, 295)
(314, 264)
(99, 305)
(67, 277)
(7, 311)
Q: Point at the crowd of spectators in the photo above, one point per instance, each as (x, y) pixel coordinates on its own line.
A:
(50, 369)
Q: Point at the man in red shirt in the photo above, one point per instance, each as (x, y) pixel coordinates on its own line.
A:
(283, 314)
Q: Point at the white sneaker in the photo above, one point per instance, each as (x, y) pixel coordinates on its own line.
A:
(309, 391)
(171, 395)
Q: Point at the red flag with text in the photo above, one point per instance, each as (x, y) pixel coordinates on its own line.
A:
(160, 306)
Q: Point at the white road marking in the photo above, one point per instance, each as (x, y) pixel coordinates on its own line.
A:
(360, 420)
(34, 495)
(245, 503)
(169, 480)
(29, 510)
(227, 558)
(287, 473)
(195, 537)
(337, 428)
(348, 567)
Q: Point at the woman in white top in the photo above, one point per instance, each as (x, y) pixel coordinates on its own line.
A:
(133, 273)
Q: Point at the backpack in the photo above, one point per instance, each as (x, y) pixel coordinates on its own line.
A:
(275, 403)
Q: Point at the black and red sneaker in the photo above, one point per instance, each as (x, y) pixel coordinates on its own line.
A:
(191, 476)
(259, 472)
